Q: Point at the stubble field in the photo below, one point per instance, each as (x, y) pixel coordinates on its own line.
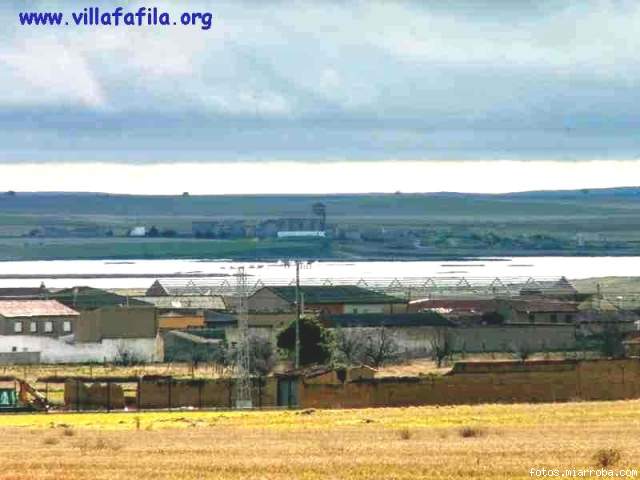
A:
(485, 441)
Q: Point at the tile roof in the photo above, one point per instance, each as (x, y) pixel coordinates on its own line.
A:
(334, 294)
(543, 306)
(34, 308)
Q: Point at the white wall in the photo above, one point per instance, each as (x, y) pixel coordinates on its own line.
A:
(54, 350)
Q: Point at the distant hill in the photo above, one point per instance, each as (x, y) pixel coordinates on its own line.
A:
(566, 202)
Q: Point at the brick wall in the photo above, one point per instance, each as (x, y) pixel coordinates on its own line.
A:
(201, 394)
(506, 382)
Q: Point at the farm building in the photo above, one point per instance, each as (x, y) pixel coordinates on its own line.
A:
(89, 298)
(181, 312)
(415, 333)
(58, 333)
(36, 317)
(329, 299)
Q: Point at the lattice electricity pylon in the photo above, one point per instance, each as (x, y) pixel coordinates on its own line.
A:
(242, 367)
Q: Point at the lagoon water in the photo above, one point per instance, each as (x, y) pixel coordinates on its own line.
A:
(538, 267)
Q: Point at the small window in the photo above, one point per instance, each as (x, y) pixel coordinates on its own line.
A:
(66, 326)
(17, 327)
(532, 317)
(48, 327)
(33, 327)
(568, 318)
(554, 318)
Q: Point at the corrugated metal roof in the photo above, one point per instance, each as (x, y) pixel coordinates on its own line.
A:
(34, 308)
(186, 302)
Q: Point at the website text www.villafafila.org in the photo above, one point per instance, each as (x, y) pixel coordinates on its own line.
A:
(116, 17)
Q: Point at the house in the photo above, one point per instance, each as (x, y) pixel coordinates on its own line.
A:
(61, 334)
(338, 299)
(36, 318)
(536, 310)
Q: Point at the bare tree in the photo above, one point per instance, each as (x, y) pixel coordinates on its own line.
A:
(262, 356)
(380, 347)
(441, 343)
(350, 346)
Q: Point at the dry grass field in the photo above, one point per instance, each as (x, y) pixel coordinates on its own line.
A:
(485, 441)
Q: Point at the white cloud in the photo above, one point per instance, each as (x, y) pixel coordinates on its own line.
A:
(45, 72)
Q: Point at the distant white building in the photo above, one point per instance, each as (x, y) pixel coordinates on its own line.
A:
(138, 232)
(302, 234)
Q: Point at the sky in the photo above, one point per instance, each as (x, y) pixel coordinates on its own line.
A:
(470, 95)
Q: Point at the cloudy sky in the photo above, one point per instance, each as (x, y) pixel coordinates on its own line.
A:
(546, 90)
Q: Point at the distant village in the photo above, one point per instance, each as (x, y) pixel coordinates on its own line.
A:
(367, 239)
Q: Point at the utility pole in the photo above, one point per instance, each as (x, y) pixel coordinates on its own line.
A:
(298, 315)
(242, 370)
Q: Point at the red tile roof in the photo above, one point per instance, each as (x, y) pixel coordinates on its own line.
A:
(34, 308)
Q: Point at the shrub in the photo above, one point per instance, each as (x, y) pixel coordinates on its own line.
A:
(315, 341)
(50, 441)
(405, 434)
(471, 432)
(68, 432)
(607, 457)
